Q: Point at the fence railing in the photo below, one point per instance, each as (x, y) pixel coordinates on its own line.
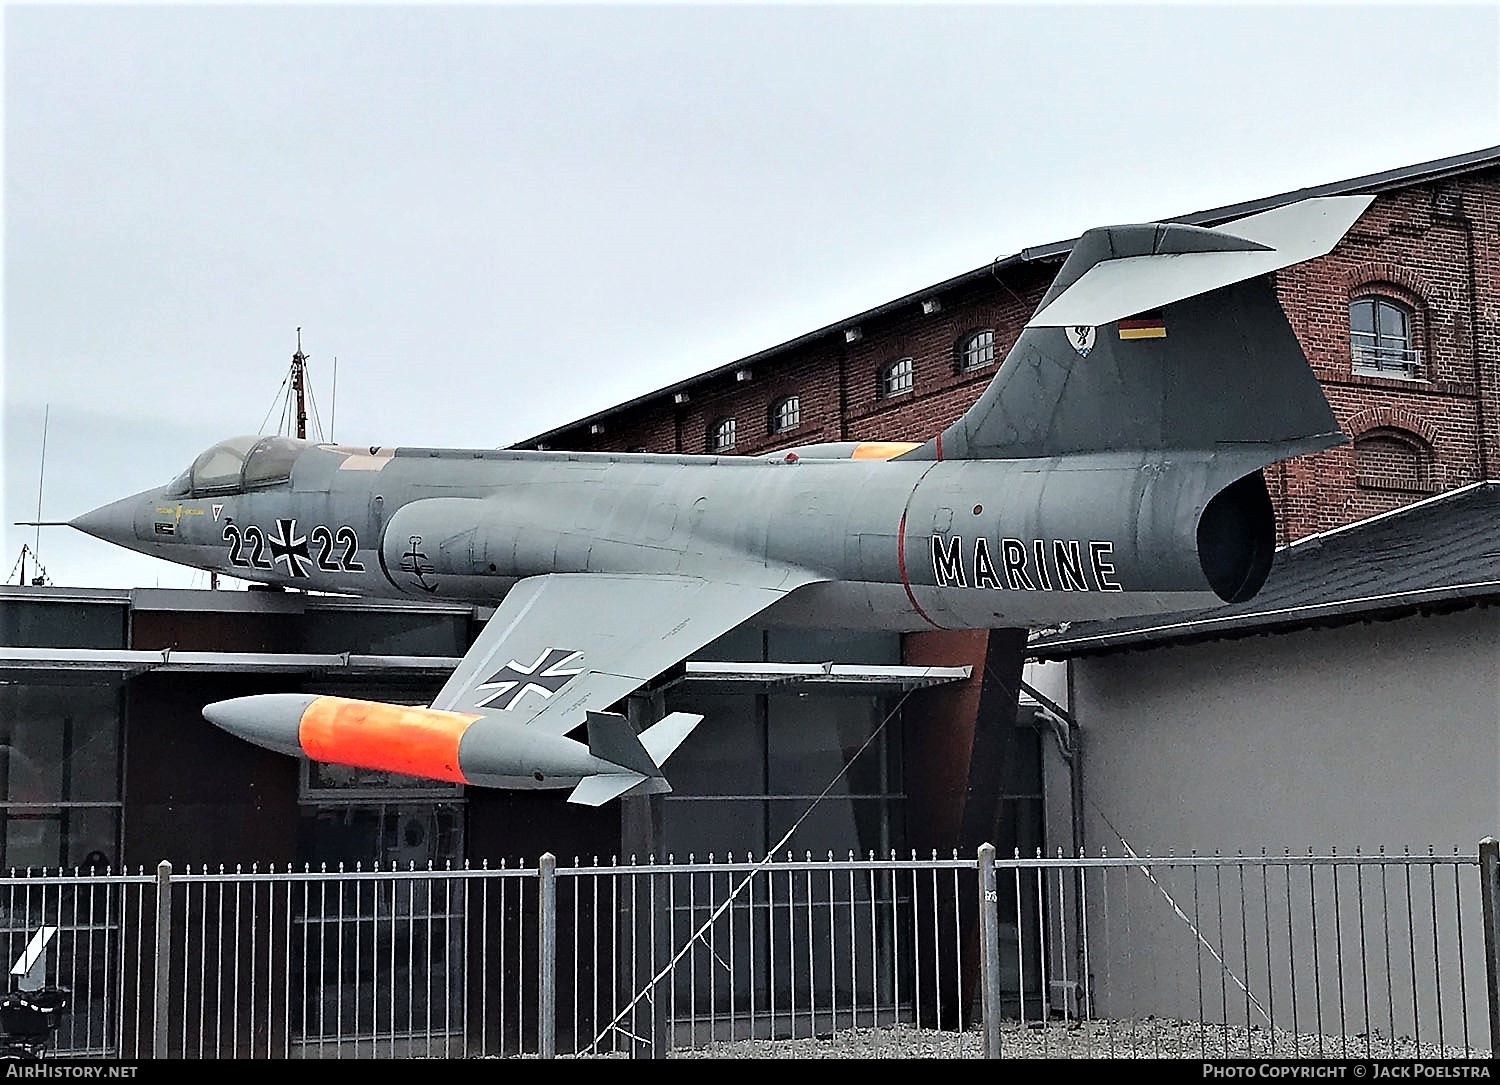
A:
(1330, 955)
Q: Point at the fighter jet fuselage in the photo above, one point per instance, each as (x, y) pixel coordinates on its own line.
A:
(888, 544)
(1111, 467)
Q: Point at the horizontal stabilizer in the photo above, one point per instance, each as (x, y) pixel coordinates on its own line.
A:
(1185, 261)
(600, 789)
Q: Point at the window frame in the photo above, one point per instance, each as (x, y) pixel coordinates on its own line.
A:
(1373, 357)
(1420, 455)
(786, 414)
(967, 350)
(720, 428)
(883, 388)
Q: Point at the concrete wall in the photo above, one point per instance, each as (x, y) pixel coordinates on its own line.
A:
(1367, 736)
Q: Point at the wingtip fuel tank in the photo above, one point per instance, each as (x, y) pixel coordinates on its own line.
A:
(455, 747)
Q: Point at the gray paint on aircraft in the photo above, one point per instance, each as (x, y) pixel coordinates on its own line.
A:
(1121, 481)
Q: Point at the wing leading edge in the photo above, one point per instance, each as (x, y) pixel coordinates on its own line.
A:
(563, 648)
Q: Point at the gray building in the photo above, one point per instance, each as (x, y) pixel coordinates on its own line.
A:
(1354, 704)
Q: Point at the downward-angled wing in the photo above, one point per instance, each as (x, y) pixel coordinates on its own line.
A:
(563, 648)
(559, 651)
(563, 644)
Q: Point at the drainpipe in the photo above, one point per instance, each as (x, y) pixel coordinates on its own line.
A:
(1068, 735)
(1467, 225)
(1069, 738)
(1463, 222)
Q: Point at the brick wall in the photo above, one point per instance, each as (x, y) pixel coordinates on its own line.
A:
(1430, 247)
(1434, 248)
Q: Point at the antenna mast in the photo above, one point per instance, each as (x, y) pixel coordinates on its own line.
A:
(299, 386)
(296, 399)
(41, 474)
(40, 578)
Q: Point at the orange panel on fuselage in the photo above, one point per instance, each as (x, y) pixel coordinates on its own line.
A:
(881, 450)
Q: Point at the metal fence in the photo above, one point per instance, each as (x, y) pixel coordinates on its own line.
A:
(1384, 955)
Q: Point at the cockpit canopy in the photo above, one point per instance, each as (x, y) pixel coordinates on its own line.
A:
(239, 464)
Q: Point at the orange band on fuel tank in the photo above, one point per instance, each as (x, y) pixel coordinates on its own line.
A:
(393, 738)
(881, 450)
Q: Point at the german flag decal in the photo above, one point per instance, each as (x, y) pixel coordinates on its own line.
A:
(1144, 326)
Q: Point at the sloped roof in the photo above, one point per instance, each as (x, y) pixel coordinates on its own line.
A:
(1055, 251)
(1435, 555)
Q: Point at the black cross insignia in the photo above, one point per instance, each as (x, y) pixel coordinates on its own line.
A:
(291, 550)
(544, 676)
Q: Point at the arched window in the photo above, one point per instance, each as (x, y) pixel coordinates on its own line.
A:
(1394, 459)
(977, 350)
(786, 414)
(721, 435)
(1380, 338)
(895, 377)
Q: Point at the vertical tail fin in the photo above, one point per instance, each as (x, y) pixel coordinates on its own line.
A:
(1163, 336)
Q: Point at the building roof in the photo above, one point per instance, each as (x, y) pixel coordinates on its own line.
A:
(21, 664)
(1055, 251)
(1433, 556)
(255, 600)
(58, 664)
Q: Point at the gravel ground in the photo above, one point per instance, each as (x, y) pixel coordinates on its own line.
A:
(1152, 1038)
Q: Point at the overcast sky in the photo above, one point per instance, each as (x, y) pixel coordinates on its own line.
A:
(499, 218)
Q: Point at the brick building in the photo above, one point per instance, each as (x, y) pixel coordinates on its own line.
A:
(1399, 322)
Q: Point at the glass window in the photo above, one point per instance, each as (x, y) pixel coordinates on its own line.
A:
(811, 736)
(401, 832)
(767, 758)
(895, 378)
(60, 775)
(182, 485)
(837, 646)
(728, 760)
(978, 350)
(786, 414)
(385, 632)
(218, 469)
(1380, 338)
(721, 435)
(270, 461)
(25, 624)
(59, 743)
(381, 957)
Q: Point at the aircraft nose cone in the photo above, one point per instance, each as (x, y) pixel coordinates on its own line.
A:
(114, 523)
(271, 720)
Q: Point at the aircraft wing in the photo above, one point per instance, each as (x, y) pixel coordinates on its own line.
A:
(563, 645)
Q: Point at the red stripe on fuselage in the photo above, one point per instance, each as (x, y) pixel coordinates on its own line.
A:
(901, 566)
